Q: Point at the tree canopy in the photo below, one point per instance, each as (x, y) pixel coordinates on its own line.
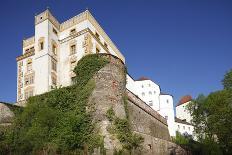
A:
(227, 81)
(212, 117)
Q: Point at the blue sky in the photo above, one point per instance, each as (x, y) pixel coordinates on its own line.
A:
(184, 45)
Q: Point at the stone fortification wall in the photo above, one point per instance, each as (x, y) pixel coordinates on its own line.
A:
(6, 113)
(109, 92)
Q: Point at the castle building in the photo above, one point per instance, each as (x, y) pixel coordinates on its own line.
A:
(150, 93)
(181, 109)
(183, 117)
(49, 57)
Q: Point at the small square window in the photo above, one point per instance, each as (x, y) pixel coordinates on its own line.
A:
(105, 45)
(166, 117)
(150, 103)
(54, 31)
(97, 35)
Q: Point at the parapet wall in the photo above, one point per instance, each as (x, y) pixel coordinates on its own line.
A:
(145, 120)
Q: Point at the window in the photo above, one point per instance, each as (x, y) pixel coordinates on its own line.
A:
(166, 117)
(54, 49)
(178, 126)
(72, 49)
(142, 86)
(29, 65)
(54, 66)
(97, 50)
(167, 101)
(149, 85)
(150, 93)
(150, 103)
(28, 93)
(29, 79)
(73, 65)
(189, 128)
(154, 92)
(54, 31)
(184, 127)
(105, 45)
(72, 31)
(143, 94)
(54, 81)
(97, 35)
(41, 43)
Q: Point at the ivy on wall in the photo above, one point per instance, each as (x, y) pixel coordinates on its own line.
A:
(57, 122)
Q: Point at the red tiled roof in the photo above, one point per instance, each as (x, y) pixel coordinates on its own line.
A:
(184, 99)
(143, 78)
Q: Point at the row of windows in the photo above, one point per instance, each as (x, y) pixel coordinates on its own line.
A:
(183, 127)
(150, 93)
(149, 85)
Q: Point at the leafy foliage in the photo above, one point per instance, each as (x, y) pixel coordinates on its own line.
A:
(196, 148)
(57, 122)
(110, 114)
(227, 81)
(212, 118)
(122, 129)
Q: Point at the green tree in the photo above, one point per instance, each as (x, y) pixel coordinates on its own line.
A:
(227, 81)
(212, 118)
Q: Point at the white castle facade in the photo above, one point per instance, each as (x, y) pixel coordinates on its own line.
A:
(151, 94)
(49, 57)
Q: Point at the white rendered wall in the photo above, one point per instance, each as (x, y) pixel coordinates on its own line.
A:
(149, 92)
(131, 85)
(184, 128)
(41, 59)
(183, 113)
(167, 111)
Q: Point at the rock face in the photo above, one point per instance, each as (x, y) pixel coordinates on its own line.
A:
(109, 92)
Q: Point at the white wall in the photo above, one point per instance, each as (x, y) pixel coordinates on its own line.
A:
(41, 63)
(149, 92)
(167, 111)
(183, 113)
(184, 128)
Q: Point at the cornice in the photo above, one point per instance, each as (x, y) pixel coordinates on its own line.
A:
(26, 55)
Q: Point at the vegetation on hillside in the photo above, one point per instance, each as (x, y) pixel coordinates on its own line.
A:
(57, 122)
